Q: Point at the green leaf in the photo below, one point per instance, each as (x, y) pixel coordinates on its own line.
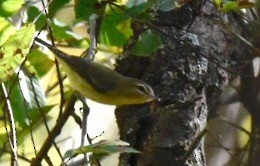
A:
(115, 30)
(148, 42)
(40, 62)
(62, 32)
(34, 13)
(6, 30)
(102, 148)
(84, 9)
(137, 10)
(10, 7)
(17, 101)
(23, 130)
(23, 94)
(55, 5)
(14, 49)
(229, 6)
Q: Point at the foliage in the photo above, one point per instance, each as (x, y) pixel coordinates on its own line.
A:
(101, 149)
(14, 47)
(227, 6)
(24, 66)
(10, 7)
(148, 42)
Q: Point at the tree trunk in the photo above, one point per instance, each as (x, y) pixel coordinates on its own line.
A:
(188, 74)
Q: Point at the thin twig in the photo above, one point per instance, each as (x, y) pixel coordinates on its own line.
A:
(77, 119)
(93, 40)
(238, 36)
(13, 141)
(219, 143)
(59, 77)
(237, 126)
(56, 63)
(91, 55)
(51, 87)
(55, 131)
(95, 22)
(18, 155)
(43, 115)
(27, 114)
(84, 126)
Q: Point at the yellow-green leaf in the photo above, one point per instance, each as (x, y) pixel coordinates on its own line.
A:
(6, 30)
(14, 50)
(218, 2)
(229, 6)
(10, 7)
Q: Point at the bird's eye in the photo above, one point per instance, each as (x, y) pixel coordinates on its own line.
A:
(141, 88)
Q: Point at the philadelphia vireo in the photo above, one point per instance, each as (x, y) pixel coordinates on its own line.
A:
(99, 83)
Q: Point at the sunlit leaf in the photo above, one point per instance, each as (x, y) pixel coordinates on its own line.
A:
(6, 30)
(103, 147)
(14, 50)
(10, 7)
(148, 42)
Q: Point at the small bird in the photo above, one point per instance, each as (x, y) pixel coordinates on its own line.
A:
(99, 83)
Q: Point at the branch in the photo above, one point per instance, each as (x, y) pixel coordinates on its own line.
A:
(18, 155)
(56, 64)
(93, 37)
(84, 125)
(55, 131)
(42, 114)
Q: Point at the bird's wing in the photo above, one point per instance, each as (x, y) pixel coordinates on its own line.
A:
(95, 74)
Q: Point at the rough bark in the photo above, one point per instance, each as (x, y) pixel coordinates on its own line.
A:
(186, 75)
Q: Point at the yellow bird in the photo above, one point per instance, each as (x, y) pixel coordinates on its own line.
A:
(101, 84)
